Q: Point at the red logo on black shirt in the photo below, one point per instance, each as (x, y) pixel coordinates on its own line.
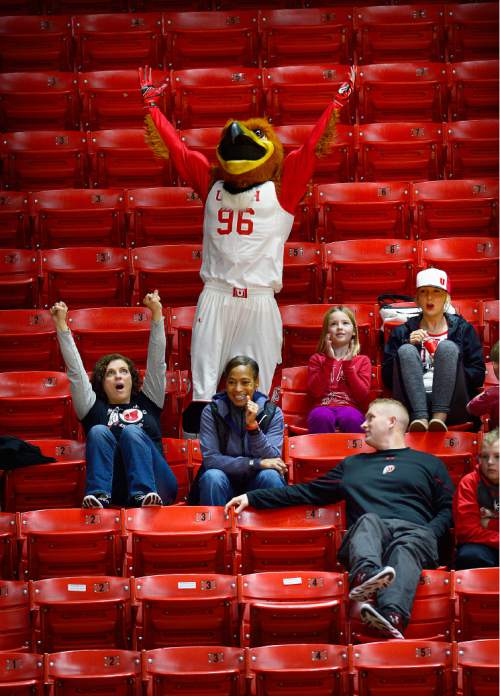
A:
(388, 469)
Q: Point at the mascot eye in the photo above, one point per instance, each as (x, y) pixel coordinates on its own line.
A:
(259, 133)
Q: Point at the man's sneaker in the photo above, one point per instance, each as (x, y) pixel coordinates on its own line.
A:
(147, 500)
(373, 618)
(99, 500)
(365, 585)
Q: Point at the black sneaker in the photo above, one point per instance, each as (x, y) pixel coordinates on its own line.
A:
(366, 585)
(147, 500)
(373, 618)
(97, 500)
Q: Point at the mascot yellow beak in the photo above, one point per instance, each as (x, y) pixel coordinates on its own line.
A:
(241, 150)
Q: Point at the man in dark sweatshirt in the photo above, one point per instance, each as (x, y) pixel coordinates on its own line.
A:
(399, 504)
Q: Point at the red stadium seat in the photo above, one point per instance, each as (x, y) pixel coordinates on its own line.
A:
(74, 613)
(55, 485)
(471, 263)
(301, 537)
(313, 456)
(121, 157)
(490, 378)
(110, 671)
(104, 330)
(19, 278)
(178, 387)
(295, 401)
(337, 165)
(300, 93)
(207, 39)
(186, 609)
(164, 5)
(302, 273)
(400, 151)
(172, 268)
(399, 33)
(205, 96)
(117, 41)
(472, 31)
(457, 450)
(280, 608)
(77, 6)
(211, 670)
(21, 673)
(14, 219)
(177, 455)
(296, 36)
(478, 667)
(471, 311)
(8, 548)
(317, 668)
(166, 215)
(190, 539)
(36, 404)
(472, 148)
(204, 140)
(452, 208)
(86, 276)
(28, 340)
(350, 266)
(48, 159)
(111, 98)
(490, 322)
(180, 328)
(477, 592)
(363, 210)
(404, 667)
(415, 91)
(15, 619)
(70, 542)
(474, 90)
(78, 217)
(35, 43)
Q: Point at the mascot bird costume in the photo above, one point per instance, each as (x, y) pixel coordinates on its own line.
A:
(250, 200)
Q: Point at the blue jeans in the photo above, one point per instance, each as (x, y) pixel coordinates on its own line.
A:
(216, 487)
(476, 556)
(127, 467)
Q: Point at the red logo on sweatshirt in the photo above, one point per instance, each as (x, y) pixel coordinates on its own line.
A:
(388, 469)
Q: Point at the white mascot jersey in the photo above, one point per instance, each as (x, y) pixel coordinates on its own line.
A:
(244, 247)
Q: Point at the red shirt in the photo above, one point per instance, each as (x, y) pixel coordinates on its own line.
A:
(467, 514)
(332, 382)
(486, 404)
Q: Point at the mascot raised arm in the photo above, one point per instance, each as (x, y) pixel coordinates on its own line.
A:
(250, 199)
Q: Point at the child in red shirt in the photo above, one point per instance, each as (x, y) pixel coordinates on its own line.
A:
(338, 377)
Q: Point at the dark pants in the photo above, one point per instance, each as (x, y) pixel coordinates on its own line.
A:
(476, 556)
(372, 543)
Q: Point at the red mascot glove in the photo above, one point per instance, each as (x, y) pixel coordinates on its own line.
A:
(345, 90)
(150, 92)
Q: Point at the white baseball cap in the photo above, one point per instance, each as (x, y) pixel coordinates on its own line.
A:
(433, 277)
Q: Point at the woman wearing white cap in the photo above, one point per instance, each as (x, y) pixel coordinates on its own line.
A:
(434, 362)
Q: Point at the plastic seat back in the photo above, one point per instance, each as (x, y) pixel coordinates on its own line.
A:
(186, 609)
(8, 546)
(300, 36)
(28, 340)
(490, 322)
(117, 41)
(477, 592)
(472, 262)
(14, 219)
(19, 278)
(317, 668)
(190, 539)
(52, 485)
(35, 43)
(456, 450)
(78, 217)
(54, 93)
(288, 607)
(177, 455)
(26, 395)
(313, 456)
(295, 401)
(180, 329)
(110, 671)
(302, 276)
(472, 148)
(21, 674)
(70, 542)
(472, 31)
(15, 618)
(166, 215)
(211, 670)
(208, 39)
(86, 276)
(478, 667)
(204, 140)
(473, 89)
(453, 208)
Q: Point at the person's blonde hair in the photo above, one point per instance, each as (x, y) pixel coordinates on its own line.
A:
(396, 407)
(324, 329)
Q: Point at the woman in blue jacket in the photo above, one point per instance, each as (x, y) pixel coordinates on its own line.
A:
(241, 437)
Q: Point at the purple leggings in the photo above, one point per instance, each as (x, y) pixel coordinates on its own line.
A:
(328, 419)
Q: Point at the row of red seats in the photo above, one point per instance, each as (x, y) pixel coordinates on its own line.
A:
(335, 272)
(295, 94)
(414, 151)
(379, 34)
(269, 608)
(174, 215)
(320, 668)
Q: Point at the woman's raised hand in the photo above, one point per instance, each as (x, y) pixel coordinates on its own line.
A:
(59, 313)
(153, 302)
(418, 336)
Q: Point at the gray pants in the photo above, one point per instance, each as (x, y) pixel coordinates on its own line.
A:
(372, 543)
(449, 391)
